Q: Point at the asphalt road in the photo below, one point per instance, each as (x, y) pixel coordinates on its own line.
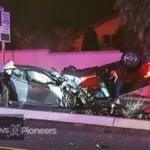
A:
(81, 137)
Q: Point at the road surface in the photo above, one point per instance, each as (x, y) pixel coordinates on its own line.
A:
(81, 137)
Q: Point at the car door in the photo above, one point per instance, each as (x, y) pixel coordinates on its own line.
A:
(39, 89)
(19, 84)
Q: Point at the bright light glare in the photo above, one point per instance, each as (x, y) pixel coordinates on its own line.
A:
(148, 75)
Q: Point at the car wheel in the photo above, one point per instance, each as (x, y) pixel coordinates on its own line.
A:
(130, 59)
(69, 100)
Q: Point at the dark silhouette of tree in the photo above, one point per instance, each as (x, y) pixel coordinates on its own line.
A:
(135, 16)
(125, 40)
(64, 39)
(90, 42)
(58, 40)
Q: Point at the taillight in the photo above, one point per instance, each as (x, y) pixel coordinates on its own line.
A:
(148, 75)
(146, 70)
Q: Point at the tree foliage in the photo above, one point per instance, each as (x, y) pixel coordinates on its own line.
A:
(64, 39)
(135, 17)
(58, 40)
(126, 40)
(26, 38)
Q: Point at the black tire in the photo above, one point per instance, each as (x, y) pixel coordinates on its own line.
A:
(69, 100)
(130, 59)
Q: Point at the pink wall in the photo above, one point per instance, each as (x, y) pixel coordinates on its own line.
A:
(43, 58)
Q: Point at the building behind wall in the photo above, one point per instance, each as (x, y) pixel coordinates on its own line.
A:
(105, 30)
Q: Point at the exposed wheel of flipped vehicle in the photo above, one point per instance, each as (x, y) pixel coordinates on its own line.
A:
(69, 100)
(130, 59)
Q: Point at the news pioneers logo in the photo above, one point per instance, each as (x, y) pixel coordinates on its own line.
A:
(11, 127)
(12, 130)
(15, 130)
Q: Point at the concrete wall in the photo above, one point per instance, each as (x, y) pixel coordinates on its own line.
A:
(43, 58)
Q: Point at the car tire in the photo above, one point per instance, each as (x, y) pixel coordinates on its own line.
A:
(68, 100)
(130, 59)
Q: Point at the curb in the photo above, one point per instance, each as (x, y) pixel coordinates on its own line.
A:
(76, 118)
(132, 124)
(60, 117)
(10, 148)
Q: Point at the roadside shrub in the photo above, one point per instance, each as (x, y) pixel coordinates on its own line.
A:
(133, 109)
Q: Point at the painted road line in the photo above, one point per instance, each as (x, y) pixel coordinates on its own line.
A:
(10, 148)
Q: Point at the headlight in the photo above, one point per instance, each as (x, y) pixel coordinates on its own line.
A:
(67, 88)
(73, 90)
(112, 105)
(89, 94)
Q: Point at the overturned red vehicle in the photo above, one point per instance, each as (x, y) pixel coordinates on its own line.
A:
(133, 70)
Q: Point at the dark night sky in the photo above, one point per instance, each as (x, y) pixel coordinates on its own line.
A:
(44, 14)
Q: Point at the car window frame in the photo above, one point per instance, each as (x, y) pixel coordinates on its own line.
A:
(13, 74)
(27, 76)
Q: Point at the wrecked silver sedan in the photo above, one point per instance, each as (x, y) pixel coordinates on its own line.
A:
(30, 85)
